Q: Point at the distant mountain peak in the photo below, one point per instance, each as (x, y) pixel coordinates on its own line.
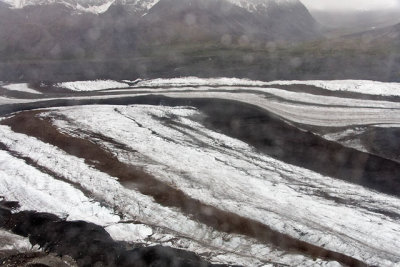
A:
(101, 6)
(261, 5)
(87, 6)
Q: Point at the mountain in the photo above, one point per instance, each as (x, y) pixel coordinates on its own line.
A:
(340, 23)
(193, 20)
(141, 36)
(89, 28)
(233, 21)
(86, 6)
(57, 31)
(101, 6)
(390, 34)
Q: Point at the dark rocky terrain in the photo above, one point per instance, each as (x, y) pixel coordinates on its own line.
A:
(87, 243)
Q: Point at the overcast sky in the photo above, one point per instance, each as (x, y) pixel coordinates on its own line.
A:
(348, 5)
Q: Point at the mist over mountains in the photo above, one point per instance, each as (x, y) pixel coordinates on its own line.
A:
(338, 23)
(61, 29)
(263, 39)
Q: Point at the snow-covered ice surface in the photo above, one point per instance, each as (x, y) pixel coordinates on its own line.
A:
(92, 85)
(215, 169)
(309, 109)
(299, 107)
(317, 115)
(229, 174)
(21, 87)
(39, 191)
(195, 81)
(355, 86)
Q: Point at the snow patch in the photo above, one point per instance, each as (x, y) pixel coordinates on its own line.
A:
(195, 81)
(261, 5)
(92, 85)
(129, 232)
(95, 9)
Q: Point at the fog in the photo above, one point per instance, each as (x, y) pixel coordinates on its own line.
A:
(356, 15)
(353, 5)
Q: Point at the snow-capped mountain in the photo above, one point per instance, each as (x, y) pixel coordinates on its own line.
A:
(387, 34)
(93, 28)
(101, 6)
(262, 5)
(89, 6)
(233, 20)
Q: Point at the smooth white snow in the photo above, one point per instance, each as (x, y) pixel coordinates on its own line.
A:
(129, 232)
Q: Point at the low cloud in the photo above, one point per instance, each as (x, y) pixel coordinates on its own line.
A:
(353, 5)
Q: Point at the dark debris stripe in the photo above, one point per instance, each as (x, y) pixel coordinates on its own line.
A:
(270, 134)
(87, 243)
(29, 123)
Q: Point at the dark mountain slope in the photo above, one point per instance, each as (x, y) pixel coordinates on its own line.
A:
(389, 34)
(58, 31)
(187, 37)
(55, 32)
(290, 22)
(194, 20)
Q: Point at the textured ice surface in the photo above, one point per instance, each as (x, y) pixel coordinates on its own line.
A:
(92, 85)
(229, 174)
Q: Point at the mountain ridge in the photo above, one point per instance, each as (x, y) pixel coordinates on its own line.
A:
(60, 29)
(100, 6)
